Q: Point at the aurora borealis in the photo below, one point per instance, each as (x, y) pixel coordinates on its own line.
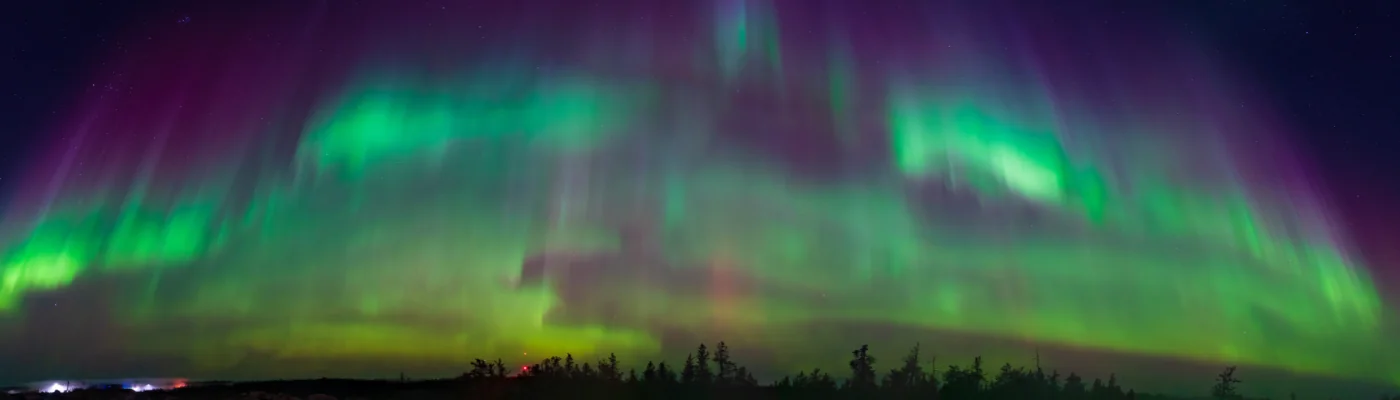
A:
(341, 186)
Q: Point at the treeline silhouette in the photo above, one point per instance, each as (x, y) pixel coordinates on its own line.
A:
(707, 374)
(704, 374)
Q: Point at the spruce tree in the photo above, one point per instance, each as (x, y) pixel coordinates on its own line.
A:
(726, 366)
(688, 375)
(703, 374)
(665, 374)
(570, 369)
(1224, 388)
(649, 374)
(862, 369)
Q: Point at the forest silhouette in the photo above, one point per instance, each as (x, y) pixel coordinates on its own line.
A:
(705, 374)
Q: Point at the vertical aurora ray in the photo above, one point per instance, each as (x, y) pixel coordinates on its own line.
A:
(747, 36)
(585, 192)
(842, 92)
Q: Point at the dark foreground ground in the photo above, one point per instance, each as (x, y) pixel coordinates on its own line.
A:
(535, 388)
(705, 374)
(509, 388)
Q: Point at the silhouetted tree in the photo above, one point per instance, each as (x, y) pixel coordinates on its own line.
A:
(587, 372)
(1042, 382)
(570, 369)
(649, 374)
(609, 369)
(1112, 391)
(632, 377)
(933, 382)
(688, 370)
(1225, 385)
(1013, 383)
(786, 382)
(499, 370)
(862, 369)
(703, 374)
(556, 365)
(486, 370)
(814, 381)
(726, 366)
(1074, 387)
(909, 376)
(744, 378)
(665, 374)
(959, 383)
(480, 370)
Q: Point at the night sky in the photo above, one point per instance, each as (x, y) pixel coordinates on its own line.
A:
(287, 189)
